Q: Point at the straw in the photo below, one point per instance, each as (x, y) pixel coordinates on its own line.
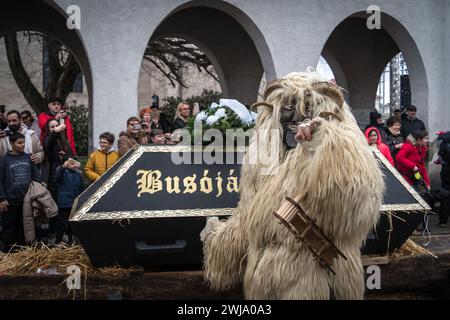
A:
(27, 260)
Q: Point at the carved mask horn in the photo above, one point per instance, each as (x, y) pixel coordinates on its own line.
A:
(331, 91)
(265, 104)
(274, 85)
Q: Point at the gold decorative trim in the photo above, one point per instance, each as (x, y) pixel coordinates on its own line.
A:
(82, 213)
(116, 176)
(402, 207)
(143, 214)
(107, 185)
(422, 203)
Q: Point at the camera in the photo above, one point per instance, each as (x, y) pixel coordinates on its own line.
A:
(8, 132)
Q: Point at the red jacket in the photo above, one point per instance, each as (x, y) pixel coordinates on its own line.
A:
(411, 155)
(44, 117)
(384, 149)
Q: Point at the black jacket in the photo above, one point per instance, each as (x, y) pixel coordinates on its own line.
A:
(53, 145)
(409, 126)
(444, 153)
(16, 174)
(392, 141)
(164, 123)
(178, 124)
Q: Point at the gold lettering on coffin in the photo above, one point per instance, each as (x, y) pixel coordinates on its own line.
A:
(151, 182)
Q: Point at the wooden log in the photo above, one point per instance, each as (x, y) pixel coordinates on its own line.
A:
(150, 285)
(418, 276)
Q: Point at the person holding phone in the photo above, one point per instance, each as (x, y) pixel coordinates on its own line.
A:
(30, 122)
(57, 151)
(134, 134)
(3, 124)
(57, 110)
(33, 146)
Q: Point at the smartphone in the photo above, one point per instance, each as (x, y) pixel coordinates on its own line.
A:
(2, 108)
(137, 127)
(8, 132)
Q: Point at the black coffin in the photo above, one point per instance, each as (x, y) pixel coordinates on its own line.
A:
(132, 216)
(402, 211)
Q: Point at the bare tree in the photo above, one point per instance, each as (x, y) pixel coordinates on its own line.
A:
(63, 70)
(171, 55)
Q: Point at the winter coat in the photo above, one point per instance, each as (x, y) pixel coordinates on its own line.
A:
(384, 149)
(393, 140)
(164, 123)
(178, 124)
(444, 153)
(37, 201)
(99, 162)
(127, 141)
(53, 147)
(16, 174)
(444, 149)
(412, 155)
(411, 125)
(69, 185)
(45, 116)
(32, 144)
(35, 127)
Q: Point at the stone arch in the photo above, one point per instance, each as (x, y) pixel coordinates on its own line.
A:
(46, 16)
(236, 47)
(363, 54)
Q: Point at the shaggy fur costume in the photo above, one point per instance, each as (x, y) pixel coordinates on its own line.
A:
(340, 186)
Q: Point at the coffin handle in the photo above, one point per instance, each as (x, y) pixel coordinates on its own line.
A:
(143, 248)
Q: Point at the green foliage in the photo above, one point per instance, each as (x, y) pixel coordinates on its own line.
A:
(204, 100)
(169, 107)
(230, 120)
(79, 115)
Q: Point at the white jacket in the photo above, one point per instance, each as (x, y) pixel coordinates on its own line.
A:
(32, 144)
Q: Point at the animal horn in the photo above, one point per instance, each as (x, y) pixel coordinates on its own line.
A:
(265, 104)
(331, 91)
(276, 84)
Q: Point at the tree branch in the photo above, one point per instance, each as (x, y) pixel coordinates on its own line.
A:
(171, 55)
(29, 91)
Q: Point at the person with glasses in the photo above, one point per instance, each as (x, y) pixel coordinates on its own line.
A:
(30, 122)
(181, 116)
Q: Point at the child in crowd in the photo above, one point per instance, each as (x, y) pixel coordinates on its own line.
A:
(374, 140)
(69, 185)
(102, 159)
(16, 173)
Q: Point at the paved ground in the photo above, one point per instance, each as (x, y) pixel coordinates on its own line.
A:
(433, 224)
